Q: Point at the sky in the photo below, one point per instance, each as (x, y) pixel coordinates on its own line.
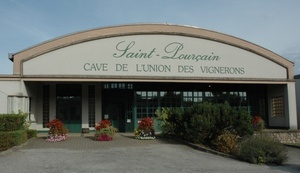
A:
(272, 24)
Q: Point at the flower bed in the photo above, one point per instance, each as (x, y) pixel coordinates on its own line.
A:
(56, 137)
(104, 131)
(57, 131)
(145, 129)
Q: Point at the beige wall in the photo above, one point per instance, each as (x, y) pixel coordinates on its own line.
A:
(13, 96)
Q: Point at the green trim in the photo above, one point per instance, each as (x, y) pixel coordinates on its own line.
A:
(134, 111)
(42, 131)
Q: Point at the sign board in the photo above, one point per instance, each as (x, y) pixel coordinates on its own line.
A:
(154, 56)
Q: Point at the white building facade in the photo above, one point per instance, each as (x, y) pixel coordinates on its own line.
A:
(125, 73)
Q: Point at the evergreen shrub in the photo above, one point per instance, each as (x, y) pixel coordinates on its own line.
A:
(10, 139)
(201, 123)
(6, 141)
(172, 120)
(261, 150)
(205, 121)
(12, 131)
(31, 133)
(12, 122)
(178, 121)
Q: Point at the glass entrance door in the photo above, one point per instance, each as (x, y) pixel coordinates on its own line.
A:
(68, 106)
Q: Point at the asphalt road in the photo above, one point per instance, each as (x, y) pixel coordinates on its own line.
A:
(150, 157)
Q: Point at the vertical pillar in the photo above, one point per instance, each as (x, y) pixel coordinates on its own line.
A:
(291, 105)
(52, 104)
(84, 105)
(98, 110)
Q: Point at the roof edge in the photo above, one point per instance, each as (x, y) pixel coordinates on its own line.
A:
(135, 29)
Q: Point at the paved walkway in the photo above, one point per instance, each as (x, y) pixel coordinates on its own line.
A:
(86, 142)
(126, 154)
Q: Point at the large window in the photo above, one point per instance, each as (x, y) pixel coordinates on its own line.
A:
(118, 86)
(148, 102)
(191, 97)
(170, 99)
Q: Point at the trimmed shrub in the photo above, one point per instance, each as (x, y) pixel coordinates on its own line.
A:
(10, 139)
(12, 122)
(20, 137)
(262, 150)
(201, 122)
(6, 141)
(226, 142)
(31, 133)
(204, 122)
(242, 123)
(177, 121)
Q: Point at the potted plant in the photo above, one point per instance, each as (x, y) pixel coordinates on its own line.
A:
(145, 129)
(104, 131)
(57, 131)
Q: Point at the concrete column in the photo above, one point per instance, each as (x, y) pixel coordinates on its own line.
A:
(291, 105)
(298, 100)
(52, 105)
(98, 110)
(85, 111)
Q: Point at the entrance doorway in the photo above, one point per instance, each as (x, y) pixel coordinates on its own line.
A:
(68, 106)
(117, 105)
(115, 112)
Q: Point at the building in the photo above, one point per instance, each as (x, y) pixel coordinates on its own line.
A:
(297, 78)
(127, 72)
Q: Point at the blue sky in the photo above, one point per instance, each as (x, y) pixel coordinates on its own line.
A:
(272, 24)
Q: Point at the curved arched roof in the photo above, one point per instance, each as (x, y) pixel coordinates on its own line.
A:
(140, 29)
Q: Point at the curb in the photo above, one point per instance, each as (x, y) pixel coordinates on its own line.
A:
(202, 148)
(14, 148)
(292, 146)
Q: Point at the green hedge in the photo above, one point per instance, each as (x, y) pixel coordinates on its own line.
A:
(204, 122)
(31, 133)
(10, 139)
(12, 122)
